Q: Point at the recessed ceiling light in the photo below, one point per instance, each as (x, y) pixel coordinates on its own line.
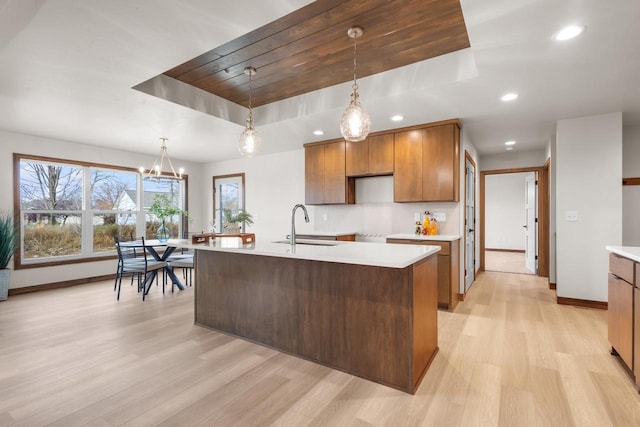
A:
(510, 143)
(397, 118)
(509, 96)
(569, 32)
(509, 148)
(318, 132)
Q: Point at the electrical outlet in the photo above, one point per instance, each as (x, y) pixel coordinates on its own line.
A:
(571, 216)
(440, 216)
(325, 216)
(416, 217)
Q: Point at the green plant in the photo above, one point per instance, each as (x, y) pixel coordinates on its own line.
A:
(236, 217)
(8, 238)
(162, 207)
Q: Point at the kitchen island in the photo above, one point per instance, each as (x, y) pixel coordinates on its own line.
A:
(369, 309)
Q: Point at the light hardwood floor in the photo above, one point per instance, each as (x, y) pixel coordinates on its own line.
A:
(509, 356)
(505, 262)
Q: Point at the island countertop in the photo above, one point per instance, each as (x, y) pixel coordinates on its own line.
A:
(360, 253)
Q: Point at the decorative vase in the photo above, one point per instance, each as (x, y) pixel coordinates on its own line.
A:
(4, 283)
(164, 233)
(232, 228)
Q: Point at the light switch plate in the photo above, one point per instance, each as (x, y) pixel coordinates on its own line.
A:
(440, 216)
(571, 216)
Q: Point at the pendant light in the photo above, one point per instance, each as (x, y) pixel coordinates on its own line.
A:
(156, 170)
(250, 143)
(355, 123)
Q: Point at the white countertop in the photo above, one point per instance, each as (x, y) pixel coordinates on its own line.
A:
(631, 252)
(362, 253)
(325, 233)
(409, 236)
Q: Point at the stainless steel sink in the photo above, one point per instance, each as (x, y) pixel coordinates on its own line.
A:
(310, 242)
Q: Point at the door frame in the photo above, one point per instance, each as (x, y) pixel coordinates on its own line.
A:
(467, 156)
(542, 176)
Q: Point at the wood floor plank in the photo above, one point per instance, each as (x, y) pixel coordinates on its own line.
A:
(509, 355)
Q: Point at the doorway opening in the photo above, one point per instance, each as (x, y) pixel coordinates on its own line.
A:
(514, 225)
(469, 222)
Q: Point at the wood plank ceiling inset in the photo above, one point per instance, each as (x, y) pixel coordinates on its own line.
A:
(309, 49)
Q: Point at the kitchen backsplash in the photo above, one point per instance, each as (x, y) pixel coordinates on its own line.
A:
(375, 216)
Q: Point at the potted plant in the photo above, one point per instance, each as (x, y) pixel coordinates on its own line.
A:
(8, 245)
(163, 208)
(232, 220)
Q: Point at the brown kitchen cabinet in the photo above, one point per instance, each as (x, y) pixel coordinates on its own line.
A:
(427, 163)
(620, 307)
(371, 157)
(448, 269)
(325, 179)
(636, 327)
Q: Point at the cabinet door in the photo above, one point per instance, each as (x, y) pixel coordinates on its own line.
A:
(444, 281)
(314, 174)
(357, 158)
(620, 317)
(407, 179)
(439, 164)
(335, 181)
(636, 338)
(381, 154)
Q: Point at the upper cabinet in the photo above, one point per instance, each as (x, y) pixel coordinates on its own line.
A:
(427, 164)
(424, 161)
(373, 156)
(325, 179)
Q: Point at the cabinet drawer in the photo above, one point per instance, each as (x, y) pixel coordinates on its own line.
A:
(445, 247)
(637, 281)
(621, 267)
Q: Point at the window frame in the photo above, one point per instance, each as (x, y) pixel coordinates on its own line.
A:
(217, 215)
(86, 213)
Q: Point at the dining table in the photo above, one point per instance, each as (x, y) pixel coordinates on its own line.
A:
(154, 247)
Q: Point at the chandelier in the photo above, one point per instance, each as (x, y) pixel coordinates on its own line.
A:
(250, 142)
(355, 123)
(156, 169)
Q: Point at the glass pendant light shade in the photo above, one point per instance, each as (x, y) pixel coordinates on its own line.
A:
(355, 123)
(250, 142)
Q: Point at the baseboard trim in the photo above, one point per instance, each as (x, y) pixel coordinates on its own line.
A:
(519, 251)
(460, 297)
(552, 286)
(59, 285)
(601, 305)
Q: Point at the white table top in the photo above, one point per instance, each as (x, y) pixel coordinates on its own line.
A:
(361, 253)
(440, 237)
(631, 252)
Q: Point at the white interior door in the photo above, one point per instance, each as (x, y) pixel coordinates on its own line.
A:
(530, 227)
(470, 234)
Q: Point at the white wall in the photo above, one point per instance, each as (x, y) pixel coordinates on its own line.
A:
(631, 193)
(588, 177)
(27, 144)
(274, 184)
(504, 199)
(513, 159)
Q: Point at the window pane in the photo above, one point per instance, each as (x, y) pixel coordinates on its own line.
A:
(113, 190)
(105, 226)
(49, 235)
(50, 187)
(170, 187)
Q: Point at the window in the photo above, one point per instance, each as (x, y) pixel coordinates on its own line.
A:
(70, 211)
(228, 193)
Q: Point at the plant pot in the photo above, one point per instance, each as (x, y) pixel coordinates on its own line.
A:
(4, 283)
(164, 233)
(232, 229)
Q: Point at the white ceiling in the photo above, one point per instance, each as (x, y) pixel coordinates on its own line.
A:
(68, 68)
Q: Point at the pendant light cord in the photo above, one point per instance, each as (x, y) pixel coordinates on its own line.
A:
(355, 64)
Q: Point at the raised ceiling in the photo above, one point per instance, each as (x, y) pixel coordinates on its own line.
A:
(309, 49)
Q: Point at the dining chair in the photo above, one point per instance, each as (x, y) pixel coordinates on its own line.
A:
(145, 268)
(185, 262)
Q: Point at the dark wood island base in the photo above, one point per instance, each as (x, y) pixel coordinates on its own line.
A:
(377, 323)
